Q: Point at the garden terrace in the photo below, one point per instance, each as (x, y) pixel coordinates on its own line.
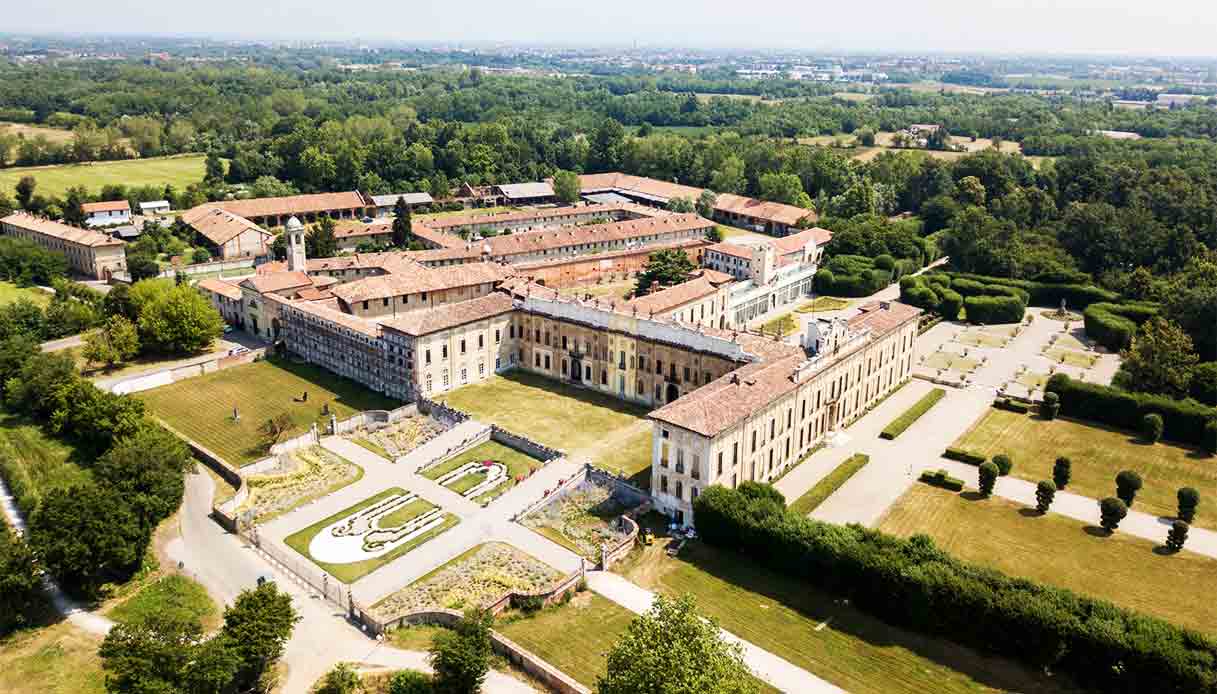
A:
(305, 474)
(1058, 550)
(582, 518)
(517, 466)
(201, 408)
(399, 438)
(1098, 453)
(477, 578)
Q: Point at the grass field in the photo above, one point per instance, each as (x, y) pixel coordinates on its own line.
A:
(1098, 454)
(822, 634)
(555, 414)
(178, 171)
(518, 464)
(353, 571)
(950, 362)
(828, 484)
(30, 131)
(405, 514)
(632, 457)
(35, 463)
(171, 592)
(1071, 357)
(201, 408)
(784, 324)
(1057, 550)
(979, 338)
(57, 659)
(824, 303)
(10, 292)
(574, 638)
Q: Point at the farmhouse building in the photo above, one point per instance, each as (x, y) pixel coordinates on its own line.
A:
(106, 213)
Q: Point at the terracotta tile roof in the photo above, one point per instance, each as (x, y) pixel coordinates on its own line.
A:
(313, 294)
(219, 226)
(327, 309)
(221, 287)
(673, 297)
(664, 191)
(762, 209)
(433, 320)
(277, 282)
(882, 316)
(439, 238)
(351, 228)
(795, 242)
(715, 276)
(294, 204)
(550, 262)
(389, 261)
(530, 215)
(58, 230)
(106, 206)
(553, 239)
(420, 279)
(732, 249)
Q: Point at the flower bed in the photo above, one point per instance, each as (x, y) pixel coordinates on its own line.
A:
(583, 518)
(307, 473)
(478, 577)
(401, 437)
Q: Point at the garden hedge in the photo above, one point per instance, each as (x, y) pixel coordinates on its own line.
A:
(1183, 420)
(1011, 405)
(993, 310)
(966, 287)
(941, 479)
(912, 414)
(960, 455)
(1113, 325)
(1049, 294)
(912, 583)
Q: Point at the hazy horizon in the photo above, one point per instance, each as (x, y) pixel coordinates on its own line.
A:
(1170, 28)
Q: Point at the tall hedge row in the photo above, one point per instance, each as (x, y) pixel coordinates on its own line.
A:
(1076, 296)
(967, 287)
(1184, 420)
(994, 309)
(1113, 325)
(914, 584)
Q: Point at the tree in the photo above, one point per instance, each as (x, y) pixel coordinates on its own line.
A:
(200, 255)
(461, 657)
(259, 623)
(147, 469)
(729, 176)
(411, 682)
(73, 206)
(672, 649)
(705, 204)
(1160, 359)
(275, 427)
(1210, 437)
(20, 587)
(1045, 492)
(866, 137)
(86, 536)
(343, 679)
(970, 192)
(784, 188)
(1151, 427)
(179, 321)
(1177, 536)
(665, 267)
(1128, 483)
(213, 169)
(25, 191)
(1061, 471)
(715, 234)
(1111, 512)
(1188, 499)
(608, 141)
(987, 478)
(116, 340)
(320, 241)
(1004, 464)
(148, 655)
(566, 186)
(681, 205)
(402, 224)
(142, 266)
(1051, 406)
(6, 204)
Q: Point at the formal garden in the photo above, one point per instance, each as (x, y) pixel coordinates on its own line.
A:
(583, 518)
(485, 472)
(301, 476)
(398, 438)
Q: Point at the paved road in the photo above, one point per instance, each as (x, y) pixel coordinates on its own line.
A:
(779, 673)
(63, 343)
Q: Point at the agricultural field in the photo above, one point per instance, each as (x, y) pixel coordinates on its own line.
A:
(201, 408)
(178, 171)
(1098, 454)
(519, 465)
(477, 577)
(35, 463)
(582, 519)
(29, 131)
(304, 475)
(821, 633)
(1057, 550)
(10, 292)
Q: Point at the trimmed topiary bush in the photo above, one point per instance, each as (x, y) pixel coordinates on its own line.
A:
(1176, 536)
(1151, 427)
(1114, 325)
(1189, 499)
(1004, 464)
(993, 310)
(1128, 483)
(1011, 405)
(1210, 437)
(1111, 512)
(1062, 470)
(988, 478)
(1183, 420)
(960, 455)
(1051, 407)
(1045, 492)
(941, 478)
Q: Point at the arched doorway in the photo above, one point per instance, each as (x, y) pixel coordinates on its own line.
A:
(673, 392)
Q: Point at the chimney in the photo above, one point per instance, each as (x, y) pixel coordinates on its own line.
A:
(885, 305)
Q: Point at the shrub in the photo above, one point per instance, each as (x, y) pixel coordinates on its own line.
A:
(1114, 325)
(912, 414)
(994, 309)
(410, 682)
(1151, 427)
(1011, 405)
(962, 456)
(950, 304)
(1176, 536)
(1045, 492)
(988, 477)
(1210, 437)
(1062, 470)
(1189, 499)
(1004, 464)
(1111, 512)
(461, 657)
(1051, 406)
(1077, 296)
(885, 262)
(1183, 420)
(528, 603)
(1128, 483)
(940, 478)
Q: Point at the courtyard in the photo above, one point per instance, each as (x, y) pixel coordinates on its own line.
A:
(202, 408)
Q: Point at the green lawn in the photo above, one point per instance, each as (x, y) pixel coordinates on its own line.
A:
(829, 483)
(201, 408)
(1032, 380)
(980, 338)
(912, 414)
(57, 659)
(824, 303)
(1071, 357)
(631, 458)
(784, 324)
(416, 637)
(34, 463)
(1098, 454)
(172, 592)
(820, 633)
(517, 462)
(371, 446)
(545, 410)
(178, 171)
(10, 292)
(353, 571)
(949, 361)
(1055, 549)
(405, 514)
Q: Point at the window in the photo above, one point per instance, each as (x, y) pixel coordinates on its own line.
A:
(365, 305)
(427, 387)
(720, 463)
(536, 357)
(754, 440)
(385, 301)
(497, 363)
(481, 341)
(640, 388)
(497, 336)
(680, 460)
(603, 377)
(462, 345)
(680, 490)
(694, 470)
(663, 455)
(687, 374)
(481, 368)
(663, 484)
(443, 352)
(771, 423)
(427, 354)
(642, 363)
(464, 375)
(621, 360)
(538, 334)
(659, 367)
(694, 490)
(444, 378)
(547, 362)
(563, 342)
(708, 379)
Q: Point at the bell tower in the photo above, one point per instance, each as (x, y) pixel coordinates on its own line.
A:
(296, 261)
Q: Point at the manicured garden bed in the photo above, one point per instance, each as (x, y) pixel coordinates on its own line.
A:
(912, 414)
(830, 483)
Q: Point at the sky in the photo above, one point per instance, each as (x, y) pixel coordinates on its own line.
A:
(1132, 27)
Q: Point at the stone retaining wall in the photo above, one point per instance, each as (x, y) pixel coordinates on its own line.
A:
(147, 381)
(524, 444)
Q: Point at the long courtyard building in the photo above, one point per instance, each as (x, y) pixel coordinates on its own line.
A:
(89, 253)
